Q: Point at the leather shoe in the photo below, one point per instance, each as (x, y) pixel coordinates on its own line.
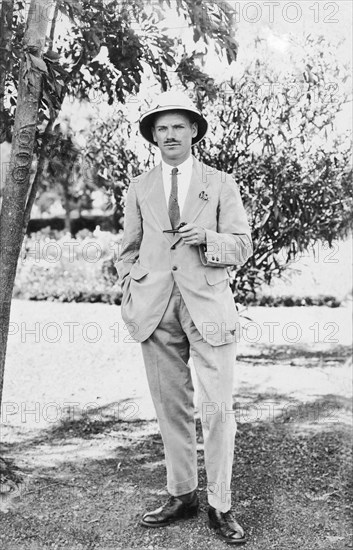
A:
(225, 526)
(175, 509)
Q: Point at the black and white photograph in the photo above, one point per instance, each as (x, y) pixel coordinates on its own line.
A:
(176, 274)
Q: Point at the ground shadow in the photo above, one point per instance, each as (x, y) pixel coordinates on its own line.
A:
(291, 479)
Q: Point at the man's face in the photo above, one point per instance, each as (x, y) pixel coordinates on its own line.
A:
(173, 133)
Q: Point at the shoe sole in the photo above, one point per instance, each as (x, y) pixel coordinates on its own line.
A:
(192, 515)
(242, 540)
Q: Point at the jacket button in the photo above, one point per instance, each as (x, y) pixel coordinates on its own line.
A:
(174, 268)
(173, 247)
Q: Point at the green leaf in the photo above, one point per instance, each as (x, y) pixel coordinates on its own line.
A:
(38, 63)
(168, 59)
(52, 55)
(74, 4)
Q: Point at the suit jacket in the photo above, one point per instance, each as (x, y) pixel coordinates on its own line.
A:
(150, 260)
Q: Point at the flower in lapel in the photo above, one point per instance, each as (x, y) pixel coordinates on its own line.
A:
(203, 195)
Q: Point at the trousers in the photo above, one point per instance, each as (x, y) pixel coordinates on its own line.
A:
(166, 354)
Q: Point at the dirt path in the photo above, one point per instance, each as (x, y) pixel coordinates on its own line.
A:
(92, 457)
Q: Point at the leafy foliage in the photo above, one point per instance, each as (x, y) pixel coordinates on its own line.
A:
(114, 162)
(295, 179)
(130, 32)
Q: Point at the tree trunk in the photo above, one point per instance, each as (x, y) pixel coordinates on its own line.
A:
(67, 207)
(18, 177)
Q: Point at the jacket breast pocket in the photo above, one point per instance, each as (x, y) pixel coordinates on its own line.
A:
(137, 272)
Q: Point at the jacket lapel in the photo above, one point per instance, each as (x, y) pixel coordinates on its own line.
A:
(193, 203)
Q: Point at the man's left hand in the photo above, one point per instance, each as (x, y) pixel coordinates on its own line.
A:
(193, 234)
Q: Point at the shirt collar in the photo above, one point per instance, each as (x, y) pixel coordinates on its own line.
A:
(186, 165)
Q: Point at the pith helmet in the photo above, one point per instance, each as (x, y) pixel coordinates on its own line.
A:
(170, 101)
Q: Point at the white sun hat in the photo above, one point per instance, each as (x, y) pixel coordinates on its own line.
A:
(170, 101)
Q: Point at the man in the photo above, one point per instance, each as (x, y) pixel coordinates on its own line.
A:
(177, 302)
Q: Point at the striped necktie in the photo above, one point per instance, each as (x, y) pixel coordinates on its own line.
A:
(173, 205)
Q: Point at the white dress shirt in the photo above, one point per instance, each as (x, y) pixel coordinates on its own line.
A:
(184, 178)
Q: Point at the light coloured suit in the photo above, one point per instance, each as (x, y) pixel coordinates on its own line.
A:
(148, 255)
(177, 302)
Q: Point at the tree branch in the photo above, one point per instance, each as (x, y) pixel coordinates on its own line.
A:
(52, 28)
(45, 142)
(38, 176)
(6, 16)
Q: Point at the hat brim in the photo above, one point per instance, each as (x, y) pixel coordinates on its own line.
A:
(146, 122)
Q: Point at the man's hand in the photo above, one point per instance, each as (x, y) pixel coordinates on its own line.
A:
(193, 234)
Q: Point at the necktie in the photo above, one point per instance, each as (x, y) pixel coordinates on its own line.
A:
(173, 205)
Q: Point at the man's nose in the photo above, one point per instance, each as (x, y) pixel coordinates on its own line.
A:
(170, 132)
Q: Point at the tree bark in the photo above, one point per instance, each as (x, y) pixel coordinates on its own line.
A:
(18, 177)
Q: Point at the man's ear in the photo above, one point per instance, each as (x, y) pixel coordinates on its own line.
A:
(195, 129)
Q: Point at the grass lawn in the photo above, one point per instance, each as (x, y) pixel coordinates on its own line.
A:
(79, 422)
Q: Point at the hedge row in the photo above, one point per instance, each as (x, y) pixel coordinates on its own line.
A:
(56, 267)
(113, 296)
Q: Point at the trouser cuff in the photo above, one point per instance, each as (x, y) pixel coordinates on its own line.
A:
(183, 487)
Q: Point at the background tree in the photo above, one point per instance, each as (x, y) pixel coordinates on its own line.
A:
(113, 162)
(67, 177)
(276, 133)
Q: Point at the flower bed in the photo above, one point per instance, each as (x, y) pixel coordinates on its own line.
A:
(54, 266)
